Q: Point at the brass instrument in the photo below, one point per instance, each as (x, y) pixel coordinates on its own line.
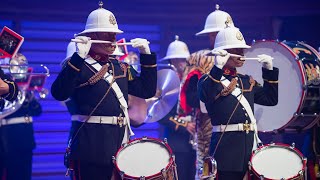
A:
(26, 80)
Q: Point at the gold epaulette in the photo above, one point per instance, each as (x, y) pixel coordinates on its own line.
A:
(252, 84)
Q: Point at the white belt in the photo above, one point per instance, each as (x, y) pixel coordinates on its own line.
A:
(234, 127)
(16, 120)
(115, 120)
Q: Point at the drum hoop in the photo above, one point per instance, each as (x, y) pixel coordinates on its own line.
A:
(144, 139)
(303, 78)
(304, 92)
(286, 146)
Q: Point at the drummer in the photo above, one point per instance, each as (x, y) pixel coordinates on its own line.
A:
(100, 121)
(179, 127)
(229, 98)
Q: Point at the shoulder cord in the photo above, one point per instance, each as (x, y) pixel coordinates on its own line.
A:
(234, 110)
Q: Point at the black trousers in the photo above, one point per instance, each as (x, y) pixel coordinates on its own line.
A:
(91, 171)
(17, 166)
(186, 165)
(230, 175)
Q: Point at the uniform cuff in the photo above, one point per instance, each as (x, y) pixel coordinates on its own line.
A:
(216, 73)
(270, 75)
(76, 61)
(148, 59)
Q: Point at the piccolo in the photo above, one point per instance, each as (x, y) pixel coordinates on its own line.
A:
(106, 42)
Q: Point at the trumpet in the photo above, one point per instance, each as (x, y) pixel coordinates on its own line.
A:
(27, 81)
(18, 67)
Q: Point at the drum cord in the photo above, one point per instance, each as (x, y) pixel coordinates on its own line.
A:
(71, 141)
(234, 110)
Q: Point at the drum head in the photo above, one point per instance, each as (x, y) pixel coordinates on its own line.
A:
(290, 84)
(277, 162)
(143, 158)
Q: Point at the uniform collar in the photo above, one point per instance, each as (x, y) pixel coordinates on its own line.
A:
(229, 71)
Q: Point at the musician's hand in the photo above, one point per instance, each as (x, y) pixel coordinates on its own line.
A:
(4, 87)
(83, 48)
(266, 61)
(191, 128)
(221, 59)
(142, 45)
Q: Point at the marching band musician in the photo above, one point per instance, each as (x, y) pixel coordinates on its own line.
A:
(99, 86)
(16, 132)
(198, 64)
(229, 98)
(179, 127)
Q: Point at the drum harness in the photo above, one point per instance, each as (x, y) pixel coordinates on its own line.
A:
(111, 80)
(237, 93)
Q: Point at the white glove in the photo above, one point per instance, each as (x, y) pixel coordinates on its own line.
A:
(266, 61)
(142, 45)
(221, 59)
(83, 48)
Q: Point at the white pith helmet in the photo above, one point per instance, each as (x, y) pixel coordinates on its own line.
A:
(101, 20)
(216, 21)
(117, 52)
(230, 38)
(177, 49)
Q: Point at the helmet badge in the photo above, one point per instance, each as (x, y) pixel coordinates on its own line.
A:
(239, 36)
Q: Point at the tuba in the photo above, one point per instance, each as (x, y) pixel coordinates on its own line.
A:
(27, 81)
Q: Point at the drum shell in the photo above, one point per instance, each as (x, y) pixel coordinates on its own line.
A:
(167, 172)
(267, 147)
(299, 78)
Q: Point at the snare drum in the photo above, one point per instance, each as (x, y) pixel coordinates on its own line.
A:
(277, 161)
(299, 85)
(145, 158)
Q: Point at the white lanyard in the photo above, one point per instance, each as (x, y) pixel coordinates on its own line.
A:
(123, 103)
(244, 102)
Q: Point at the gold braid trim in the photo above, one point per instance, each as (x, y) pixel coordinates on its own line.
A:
(213, 79)
(252, 84)
(149, 66)
(272, 82)
(72, 66)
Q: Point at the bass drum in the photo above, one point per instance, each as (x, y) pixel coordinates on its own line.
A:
(299, 91)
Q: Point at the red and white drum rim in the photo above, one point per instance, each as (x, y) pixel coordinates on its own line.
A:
(143, 139)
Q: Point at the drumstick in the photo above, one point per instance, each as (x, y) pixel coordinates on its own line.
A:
(92, 41)
(219, 54)
(245, 58)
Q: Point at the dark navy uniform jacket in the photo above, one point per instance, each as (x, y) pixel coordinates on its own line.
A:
(235, 148)
(97, 143)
